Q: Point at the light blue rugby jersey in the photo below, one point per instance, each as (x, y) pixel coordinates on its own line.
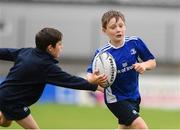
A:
(126, 84)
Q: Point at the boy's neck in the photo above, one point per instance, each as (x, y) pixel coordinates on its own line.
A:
(117, 44)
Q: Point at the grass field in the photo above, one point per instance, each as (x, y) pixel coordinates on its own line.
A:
(53, 116)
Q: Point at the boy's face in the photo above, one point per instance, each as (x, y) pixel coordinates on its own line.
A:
(115, 30)
(55, 51)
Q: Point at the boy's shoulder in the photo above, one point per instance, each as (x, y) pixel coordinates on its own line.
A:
(26, 49)
(105, 47)
(131, 38)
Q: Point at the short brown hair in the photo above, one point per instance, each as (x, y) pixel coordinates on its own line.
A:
(46, 37)
(109, 15)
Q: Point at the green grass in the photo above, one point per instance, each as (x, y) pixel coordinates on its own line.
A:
(53, 116)
(161, 119)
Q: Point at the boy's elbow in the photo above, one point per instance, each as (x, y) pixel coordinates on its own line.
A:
(154, 64)
(151, 64)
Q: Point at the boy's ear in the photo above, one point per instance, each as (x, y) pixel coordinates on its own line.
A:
(103, 30)
(49, 48)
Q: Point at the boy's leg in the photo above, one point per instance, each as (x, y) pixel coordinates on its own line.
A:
(120, 127)
(3, 121)
(28, 123)
(138, 123)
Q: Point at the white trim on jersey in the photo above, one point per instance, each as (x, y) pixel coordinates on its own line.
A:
(105, 48)
(110, 97)
(127, 38)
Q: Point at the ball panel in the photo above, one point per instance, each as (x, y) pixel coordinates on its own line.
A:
(105, 63)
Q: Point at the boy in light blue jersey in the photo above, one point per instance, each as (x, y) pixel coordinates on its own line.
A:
(132, 58)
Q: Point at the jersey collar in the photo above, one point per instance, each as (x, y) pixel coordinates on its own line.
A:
(115, 46)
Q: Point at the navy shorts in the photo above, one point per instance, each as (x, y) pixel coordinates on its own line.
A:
(126, 111)
(14, 112)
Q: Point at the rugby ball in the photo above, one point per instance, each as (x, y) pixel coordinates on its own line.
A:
(105, 64)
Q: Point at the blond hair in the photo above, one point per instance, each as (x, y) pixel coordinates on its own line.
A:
(107, 16)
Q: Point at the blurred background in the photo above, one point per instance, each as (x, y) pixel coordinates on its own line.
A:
(157, 22)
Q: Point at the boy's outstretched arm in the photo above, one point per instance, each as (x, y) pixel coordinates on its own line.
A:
(54, 75)
(9, 54)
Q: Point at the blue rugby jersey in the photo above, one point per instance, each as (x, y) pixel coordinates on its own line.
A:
(32, 69)
(126, 84)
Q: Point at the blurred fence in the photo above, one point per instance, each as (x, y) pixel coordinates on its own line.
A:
(160, 91)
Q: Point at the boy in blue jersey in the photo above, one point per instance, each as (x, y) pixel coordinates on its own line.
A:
(123, 97)
(33, 68)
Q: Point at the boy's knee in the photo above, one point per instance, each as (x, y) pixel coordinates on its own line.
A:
(3, 121)
(6, 123)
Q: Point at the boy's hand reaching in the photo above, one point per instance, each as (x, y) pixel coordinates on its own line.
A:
(96, 78)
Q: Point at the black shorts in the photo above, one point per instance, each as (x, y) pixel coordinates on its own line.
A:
(14, 112)
(126, 111)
